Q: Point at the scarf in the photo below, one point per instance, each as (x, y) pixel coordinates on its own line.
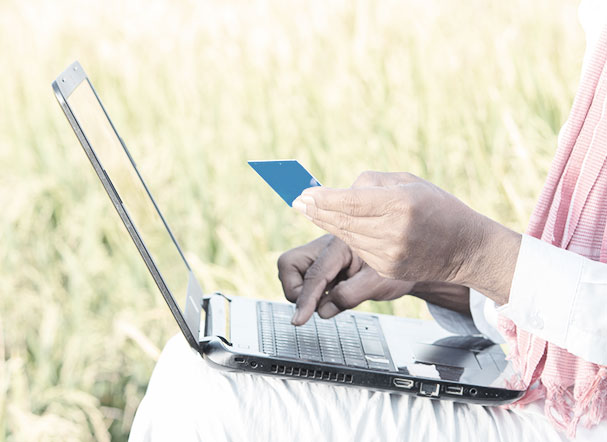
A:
(572, 214)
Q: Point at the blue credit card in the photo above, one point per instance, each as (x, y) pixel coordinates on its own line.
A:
(288, 178)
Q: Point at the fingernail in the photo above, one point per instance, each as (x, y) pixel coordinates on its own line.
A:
(296, 317)
(328, 310)
(299, 205)
(307, 200)
(309, 190)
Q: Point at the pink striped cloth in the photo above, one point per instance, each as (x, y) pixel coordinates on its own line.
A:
(572, 214)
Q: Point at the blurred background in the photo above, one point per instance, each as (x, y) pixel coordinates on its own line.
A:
(469, 94)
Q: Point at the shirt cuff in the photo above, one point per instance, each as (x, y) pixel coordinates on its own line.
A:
(485, 316)
(543, 290)
(452, 321)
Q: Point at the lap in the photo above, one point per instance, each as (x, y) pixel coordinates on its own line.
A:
(189, 400)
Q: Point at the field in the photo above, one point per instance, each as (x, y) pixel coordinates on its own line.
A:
(468, 94)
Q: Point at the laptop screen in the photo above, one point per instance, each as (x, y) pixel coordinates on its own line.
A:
(136, 201)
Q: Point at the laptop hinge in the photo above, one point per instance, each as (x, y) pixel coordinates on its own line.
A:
(217, 318)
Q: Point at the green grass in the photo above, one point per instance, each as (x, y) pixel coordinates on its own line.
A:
(468, 94)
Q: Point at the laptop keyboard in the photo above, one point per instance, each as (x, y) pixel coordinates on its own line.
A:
(346, 339)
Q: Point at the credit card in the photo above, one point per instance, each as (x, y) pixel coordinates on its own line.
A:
(288, 178)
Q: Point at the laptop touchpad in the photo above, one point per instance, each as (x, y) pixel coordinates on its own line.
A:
(437, 354)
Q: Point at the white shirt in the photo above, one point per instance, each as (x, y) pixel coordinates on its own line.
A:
(556, 294)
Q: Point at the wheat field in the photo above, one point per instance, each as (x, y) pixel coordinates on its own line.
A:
(468, 94)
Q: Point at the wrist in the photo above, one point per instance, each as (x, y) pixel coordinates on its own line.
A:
(489, 268)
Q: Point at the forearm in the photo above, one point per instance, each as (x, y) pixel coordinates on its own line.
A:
(451, 296)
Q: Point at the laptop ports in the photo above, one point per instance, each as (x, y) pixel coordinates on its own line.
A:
(403, 383)
(426, 389)
(457, 390)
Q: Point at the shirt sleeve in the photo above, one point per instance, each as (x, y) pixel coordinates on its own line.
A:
(452, 321)
(484, 316)
(561, 297)
(483, 321)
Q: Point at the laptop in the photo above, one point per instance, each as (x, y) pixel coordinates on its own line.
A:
(355, 349)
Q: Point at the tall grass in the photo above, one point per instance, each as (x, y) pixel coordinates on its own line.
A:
(468, 94)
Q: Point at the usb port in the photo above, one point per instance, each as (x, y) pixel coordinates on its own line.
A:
(403, 383)
(455, 390)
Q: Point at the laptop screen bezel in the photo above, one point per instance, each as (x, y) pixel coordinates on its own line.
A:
(189, 320)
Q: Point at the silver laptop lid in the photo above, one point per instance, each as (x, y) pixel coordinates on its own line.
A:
(131, 198)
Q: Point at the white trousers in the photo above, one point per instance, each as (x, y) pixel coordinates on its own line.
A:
(187, 400)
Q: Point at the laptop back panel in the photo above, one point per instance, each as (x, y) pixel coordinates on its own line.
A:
(131, 198)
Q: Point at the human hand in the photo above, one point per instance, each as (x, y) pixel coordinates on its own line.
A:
(407, 228)
(325, 275)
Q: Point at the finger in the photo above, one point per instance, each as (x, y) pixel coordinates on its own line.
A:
(340, 298)
(357, 241)
(366, 226)
(347, 294)
(384, 179)
(356, 265)
(365, 247)
(377, 263)
(290, 276)
(360, 201)
(292, 265)
(335, 257)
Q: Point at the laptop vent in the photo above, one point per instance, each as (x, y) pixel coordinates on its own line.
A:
(311, 374)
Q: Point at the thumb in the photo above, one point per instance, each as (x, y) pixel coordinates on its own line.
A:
(349, 293)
